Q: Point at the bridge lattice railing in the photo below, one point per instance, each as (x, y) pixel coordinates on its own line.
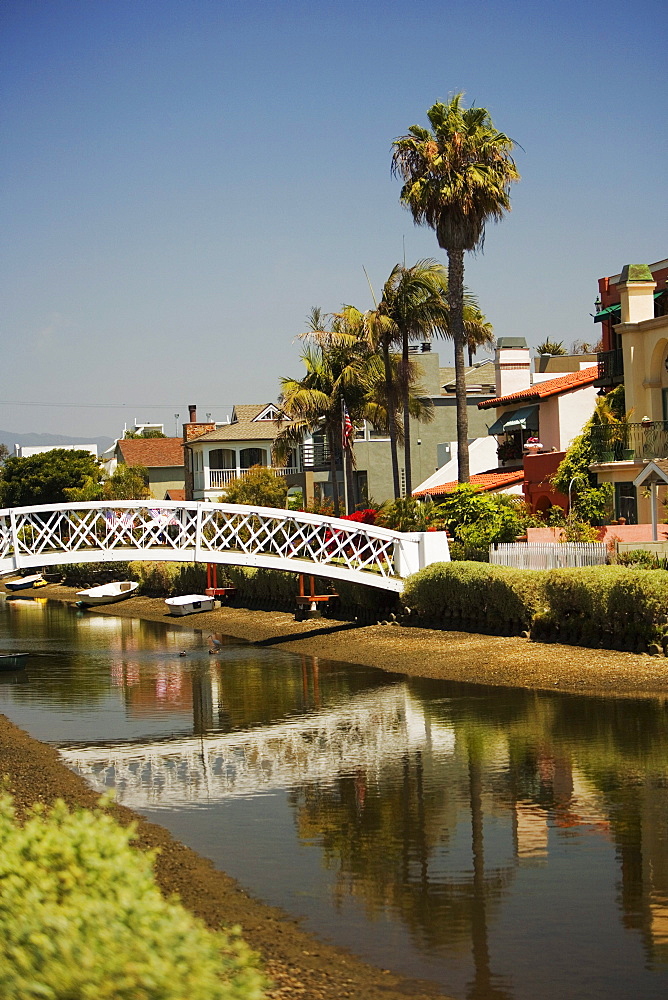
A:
(204, 532)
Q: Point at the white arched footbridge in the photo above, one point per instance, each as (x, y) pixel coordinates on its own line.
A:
(232, 534)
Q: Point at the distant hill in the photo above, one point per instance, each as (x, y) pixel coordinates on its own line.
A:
(10, 438)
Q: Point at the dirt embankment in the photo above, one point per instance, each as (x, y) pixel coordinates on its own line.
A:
(300, 965)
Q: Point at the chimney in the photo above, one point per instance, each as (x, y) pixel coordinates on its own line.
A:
(512, 365)
(636, 293)
(192, 410)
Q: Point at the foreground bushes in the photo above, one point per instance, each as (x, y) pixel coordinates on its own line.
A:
(82, 917)
(610, 606)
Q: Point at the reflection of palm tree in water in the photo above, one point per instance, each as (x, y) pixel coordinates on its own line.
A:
(482, 987)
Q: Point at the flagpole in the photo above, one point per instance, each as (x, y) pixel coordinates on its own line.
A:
(344, 443)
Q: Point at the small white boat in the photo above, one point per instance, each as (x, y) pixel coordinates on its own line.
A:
(23, 582)
(107, 593)
(188, 604)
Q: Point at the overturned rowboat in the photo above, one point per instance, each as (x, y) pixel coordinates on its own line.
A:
(107, 593)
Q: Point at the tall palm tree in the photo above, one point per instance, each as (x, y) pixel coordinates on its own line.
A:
(341, 374)
(413, 299)
(457, 177)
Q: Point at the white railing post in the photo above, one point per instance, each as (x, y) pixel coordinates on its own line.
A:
(200, 555)
(18, 562)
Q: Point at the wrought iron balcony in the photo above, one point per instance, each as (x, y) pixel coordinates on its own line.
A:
(626, 442)
(610, 367)
(316, 455)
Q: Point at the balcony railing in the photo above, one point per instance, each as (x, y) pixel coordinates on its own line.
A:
(630, 442)
(221, 477)
(610, 366)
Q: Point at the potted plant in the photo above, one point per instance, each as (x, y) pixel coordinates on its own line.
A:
(507, 451)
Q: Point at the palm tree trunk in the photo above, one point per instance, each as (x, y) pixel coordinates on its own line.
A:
(392, 420)
(456, 302)
(408, 479)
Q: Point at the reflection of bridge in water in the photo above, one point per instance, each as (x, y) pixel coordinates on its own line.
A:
(363, 734)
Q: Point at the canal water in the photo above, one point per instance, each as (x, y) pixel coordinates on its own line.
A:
(509, 845)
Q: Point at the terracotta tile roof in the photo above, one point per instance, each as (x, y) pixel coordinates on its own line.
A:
(175, 495)
(495, 479)
(543, 390)
(151, 452)
(245, 427)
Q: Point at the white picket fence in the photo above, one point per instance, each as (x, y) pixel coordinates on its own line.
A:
(547, 555)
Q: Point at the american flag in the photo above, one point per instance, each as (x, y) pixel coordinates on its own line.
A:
(124, 521)
(347, 429)
(164, 517)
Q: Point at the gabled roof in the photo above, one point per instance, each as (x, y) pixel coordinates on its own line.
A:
(152, 452)
(543, 390)
(487, 482)
(244, 426)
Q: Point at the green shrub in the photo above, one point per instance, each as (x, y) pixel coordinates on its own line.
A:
(492, 597)
(81, 917)
(264, 586)
(92, 574)
(168, 579)
(641, 559)
(615, 604)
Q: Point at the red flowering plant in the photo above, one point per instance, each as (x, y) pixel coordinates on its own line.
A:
(367, 516)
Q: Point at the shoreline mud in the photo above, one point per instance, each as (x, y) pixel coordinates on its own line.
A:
(301, 965)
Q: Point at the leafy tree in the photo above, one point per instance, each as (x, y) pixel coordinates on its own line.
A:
(44, 478)
(592, 502)
(555, 348)
(128, 482)
(456, 178)
(260, 487)
(480, 519)
(82, 916)
(4, 453)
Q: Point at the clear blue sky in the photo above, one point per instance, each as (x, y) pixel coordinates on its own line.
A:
(183, 179)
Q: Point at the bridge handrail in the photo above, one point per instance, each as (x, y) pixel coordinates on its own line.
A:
(307, 517)
(239, 534)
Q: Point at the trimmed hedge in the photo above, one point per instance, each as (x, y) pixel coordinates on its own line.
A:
(475, 596)
(610, 606)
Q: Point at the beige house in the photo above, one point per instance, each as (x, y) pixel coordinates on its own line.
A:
(641, 338)
(216, 453)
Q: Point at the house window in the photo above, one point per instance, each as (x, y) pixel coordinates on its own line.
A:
(626, 502)
(222, 458)
(249, 457)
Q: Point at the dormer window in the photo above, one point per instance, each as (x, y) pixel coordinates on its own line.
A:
(270, 412)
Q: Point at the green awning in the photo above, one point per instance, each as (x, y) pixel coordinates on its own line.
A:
(615, 311)
(525, 419)
(607, 313)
